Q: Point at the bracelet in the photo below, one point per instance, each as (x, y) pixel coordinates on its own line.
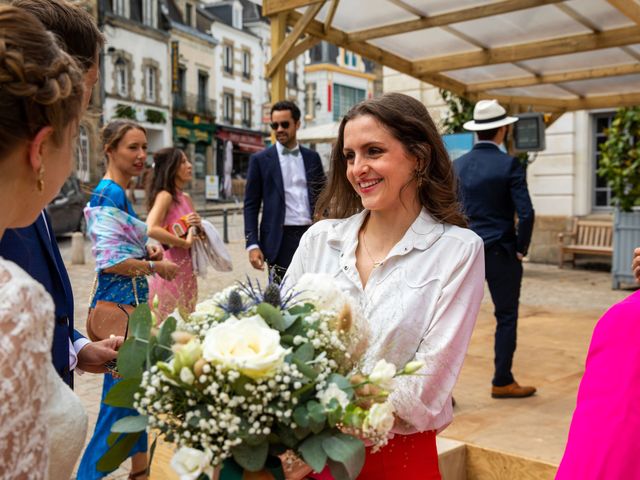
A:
(152, 268)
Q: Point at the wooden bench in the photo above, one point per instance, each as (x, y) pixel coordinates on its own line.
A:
(588, 237)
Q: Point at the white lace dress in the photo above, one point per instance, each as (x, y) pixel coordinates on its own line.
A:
(42, 422)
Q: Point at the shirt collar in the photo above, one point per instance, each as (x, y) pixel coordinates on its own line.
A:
(423, 232)
(281, 147)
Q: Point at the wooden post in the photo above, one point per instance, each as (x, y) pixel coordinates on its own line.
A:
(278, 28)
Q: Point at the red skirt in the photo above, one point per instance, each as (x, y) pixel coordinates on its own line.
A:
(409, 457)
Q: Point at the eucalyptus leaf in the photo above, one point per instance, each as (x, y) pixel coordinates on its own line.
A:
(118, 453)
(251, 458)
(313, 452)
(121, 394)
(301, 416)
(166, 329)
(346, 450)
(272, 316)
(130, 424)
(304, 353)
(342, 382)
(140, 322)
(301, 309)
(289, 319)
(131, 358)
(305, 369)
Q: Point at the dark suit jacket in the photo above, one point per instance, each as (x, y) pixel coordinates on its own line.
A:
(265, 187)
(493, 188)
(38, 255)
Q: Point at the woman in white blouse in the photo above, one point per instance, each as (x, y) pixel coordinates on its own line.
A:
(395, 241)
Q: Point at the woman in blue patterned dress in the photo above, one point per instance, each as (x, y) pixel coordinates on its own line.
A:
(123, 260)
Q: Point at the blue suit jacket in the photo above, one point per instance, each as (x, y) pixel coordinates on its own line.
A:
(37, 254)
(265, 187)
(493, 188)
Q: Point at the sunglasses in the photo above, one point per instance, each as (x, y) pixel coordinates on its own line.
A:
(275, 125)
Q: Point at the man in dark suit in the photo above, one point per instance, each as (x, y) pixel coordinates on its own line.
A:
(493, 187)
(286, 180)
(34, 248)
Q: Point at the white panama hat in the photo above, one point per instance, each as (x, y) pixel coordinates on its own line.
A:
(488, 114)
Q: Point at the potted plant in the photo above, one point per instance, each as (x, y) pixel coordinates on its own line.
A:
(620, 166)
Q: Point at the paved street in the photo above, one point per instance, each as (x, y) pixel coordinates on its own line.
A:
(559, 309)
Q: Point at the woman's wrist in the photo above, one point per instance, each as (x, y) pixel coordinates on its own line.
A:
(152, 267)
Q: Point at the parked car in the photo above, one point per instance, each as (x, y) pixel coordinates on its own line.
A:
(66, 210)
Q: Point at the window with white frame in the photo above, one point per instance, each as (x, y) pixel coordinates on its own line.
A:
(246, 64)
(149, 13)
(150, 82)
(246, 111)
(82, 156)
(122, 78)
(228, 58)
(344, 98)
(118, 7)
(601, 190)
(228, 107)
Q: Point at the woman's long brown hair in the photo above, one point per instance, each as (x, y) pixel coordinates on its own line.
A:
(166, 163)
(410, 123)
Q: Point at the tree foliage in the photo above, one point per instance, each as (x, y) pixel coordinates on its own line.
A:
(620, 158)
(460, 110)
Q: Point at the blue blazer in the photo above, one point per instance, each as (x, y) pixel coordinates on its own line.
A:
(493, 188)
(265, 187)
(39, 256)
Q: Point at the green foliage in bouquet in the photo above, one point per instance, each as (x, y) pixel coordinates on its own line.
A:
(248, 376)
(620, 158)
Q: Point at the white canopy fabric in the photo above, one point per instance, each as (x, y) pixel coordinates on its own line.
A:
(554, 55)
(326, 133)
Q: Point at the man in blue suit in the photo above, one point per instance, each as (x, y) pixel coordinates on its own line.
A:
(493, 187)
(34, 248)
(286, 180)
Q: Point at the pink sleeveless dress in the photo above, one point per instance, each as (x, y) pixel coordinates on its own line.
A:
(182, 291)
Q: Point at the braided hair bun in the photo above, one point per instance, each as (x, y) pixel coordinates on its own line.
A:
(40, 84)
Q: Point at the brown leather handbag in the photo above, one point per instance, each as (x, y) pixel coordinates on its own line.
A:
(108, 319)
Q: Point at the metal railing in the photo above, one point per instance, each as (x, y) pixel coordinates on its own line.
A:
(194, 104)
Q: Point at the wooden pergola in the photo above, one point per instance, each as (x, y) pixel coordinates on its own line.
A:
(547, 55)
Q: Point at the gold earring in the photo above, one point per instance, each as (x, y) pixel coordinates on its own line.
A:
(419, 178)
(40, 181)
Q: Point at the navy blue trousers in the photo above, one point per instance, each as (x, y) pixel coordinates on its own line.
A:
(503, 272)
(291, 236)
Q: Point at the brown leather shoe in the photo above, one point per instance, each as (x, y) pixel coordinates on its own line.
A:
(512, 390)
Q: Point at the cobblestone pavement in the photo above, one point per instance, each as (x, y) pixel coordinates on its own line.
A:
(544, 286)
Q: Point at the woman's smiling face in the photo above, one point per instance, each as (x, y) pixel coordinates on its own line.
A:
(378, 167)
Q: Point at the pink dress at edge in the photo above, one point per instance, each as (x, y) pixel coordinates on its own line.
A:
(182, 291)
(604, 438)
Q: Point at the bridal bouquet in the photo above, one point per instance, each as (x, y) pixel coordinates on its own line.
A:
(252, 374)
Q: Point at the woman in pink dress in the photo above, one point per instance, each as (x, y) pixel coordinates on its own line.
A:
(173, 222)
(604, 439)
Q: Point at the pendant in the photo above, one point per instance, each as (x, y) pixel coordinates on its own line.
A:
(377, 264)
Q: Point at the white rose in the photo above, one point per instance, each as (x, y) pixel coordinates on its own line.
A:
(247, 345)
(380, 418)
(333, 391)
(382, 374)
(208, 307)
(321, 290)
(190, 463)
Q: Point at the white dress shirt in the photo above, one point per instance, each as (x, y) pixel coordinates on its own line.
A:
(420, 304)
(296, 194)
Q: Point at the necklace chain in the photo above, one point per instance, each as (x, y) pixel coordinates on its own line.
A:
(366, 249)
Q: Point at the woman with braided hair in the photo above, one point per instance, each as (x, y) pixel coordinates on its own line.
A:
(41, 96)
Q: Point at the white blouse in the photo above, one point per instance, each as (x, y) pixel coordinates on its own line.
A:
(421, 304)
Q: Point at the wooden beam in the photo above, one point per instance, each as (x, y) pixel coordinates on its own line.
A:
(551, 119)
(277, 57)
(271, 7)
(548, 103)
(278, 29)
(302, 46)
(456, 16)
(330, 14)
(572, 76)
(339, 38)
(630, 8)
(605, 101)
(524, 51)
